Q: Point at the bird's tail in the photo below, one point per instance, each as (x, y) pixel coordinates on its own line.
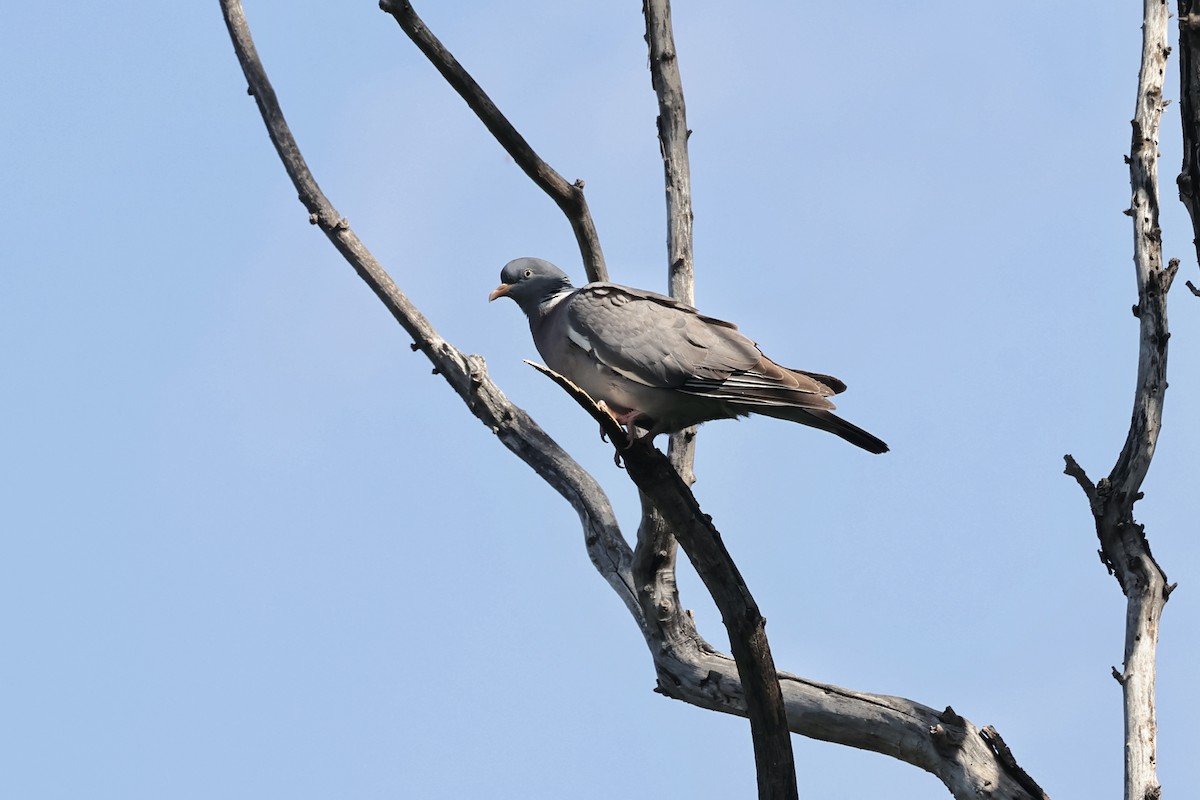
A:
(826, 421)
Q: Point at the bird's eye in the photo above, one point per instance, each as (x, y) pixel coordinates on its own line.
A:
(528, 273)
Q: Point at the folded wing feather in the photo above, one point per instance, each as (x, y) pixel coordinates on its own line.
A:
(661, 343)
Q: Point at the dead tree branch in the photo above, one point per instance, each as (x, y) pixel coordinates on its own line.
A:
(1189, 116)
(656, 536)
(669, 499)
(655, 554)
(688, 669)
(673, 136)
(1188, 180)
(568, 196)
(466, 374)
(1123, 544)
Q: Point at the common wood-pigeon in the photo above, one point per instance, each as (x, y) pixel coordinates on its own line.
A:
(662, 365)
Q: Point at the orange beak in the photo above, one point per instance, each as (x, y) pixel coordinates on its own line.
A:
(499, 291)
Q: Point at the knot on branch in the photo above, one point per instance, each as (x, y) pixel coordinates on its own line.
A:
(1168, 275)
(476, 370)
(328, 220)
(714, 686)
(949, 733)
(1184, 183)
(1091, 490)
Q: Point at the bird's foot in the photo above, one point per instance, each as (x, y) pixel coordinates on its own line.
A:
(627, 421)
(603, 406)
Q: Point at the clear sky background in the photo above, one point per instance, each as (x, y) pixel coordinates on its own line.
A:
(252, 548)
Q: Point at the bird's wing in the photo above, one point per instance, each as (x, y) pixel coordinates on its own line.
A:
(662, 343)
(654, 340)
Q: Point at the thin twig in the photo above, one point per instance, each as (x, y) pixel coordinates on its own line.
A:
(1073, 469)
(568, 196)
(609, 425)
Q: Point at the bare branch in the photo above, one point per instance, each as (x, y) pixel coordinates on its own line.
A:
(949, 747)
(568, 196)
(673, 136)
(1188, 180)
(1075, 471)
(768, 721)
(1123, 544)
(671, 499)
(466, 374)
(1005, 756)
(688, 668)
(609, 426)
(655, 554)
(656, 551)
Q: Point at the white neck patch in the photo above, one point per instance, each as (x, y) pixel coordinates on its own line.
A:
(549, 303)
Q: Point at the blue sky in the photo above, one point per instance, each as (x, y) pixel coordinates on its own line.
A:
(252, 548)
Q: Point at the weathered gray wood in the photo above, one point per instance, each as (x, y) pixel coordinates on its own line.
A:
(968, 761)
(1188, 180)
(1123, 544)
(972, 763)
(568, 196)
(673, 136)
(654, 556)
(467, 375)
(670, 504)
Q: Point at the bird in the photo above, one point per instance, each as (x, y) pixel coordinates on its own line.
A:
(660, 365)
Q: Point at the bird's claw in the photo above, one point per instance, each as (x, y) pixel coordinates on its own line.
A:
(626, 421)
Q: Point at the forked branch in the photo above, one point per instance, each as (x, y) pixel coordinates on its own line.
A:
(688, 668)
(467, 375)
(1123, 544)
(654, 558)
(666, 497)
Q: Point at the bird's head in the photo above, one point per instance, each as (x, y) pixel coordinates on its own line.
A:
(530, 282)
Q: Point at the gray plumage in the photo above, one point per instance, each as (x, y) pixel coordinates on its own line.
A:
(662, 365)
